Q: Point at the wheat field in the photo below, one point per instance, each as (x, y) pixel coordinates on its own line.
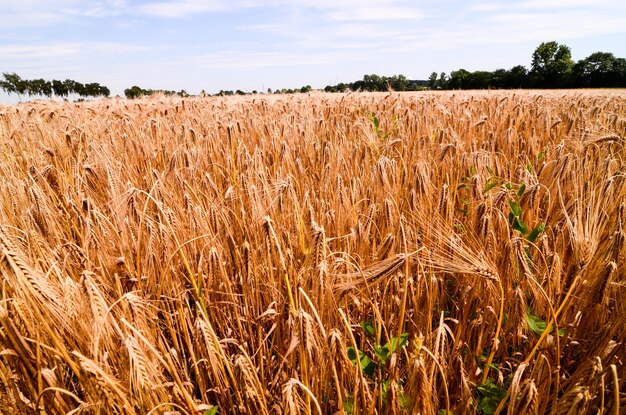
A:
(428, 253)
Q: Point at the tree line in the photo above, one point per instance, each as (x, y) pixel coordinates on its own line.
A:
(375, 83)
(551, 67)
(14, 84)
(136, 92)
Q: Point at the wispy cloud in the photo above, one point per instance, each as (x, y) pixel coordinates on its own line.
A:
(184, 8)
(246, 59)
(34, 13)
(569, 4)
(346, 10)
(376, 13)
(161, 42)
(64, 49)
(19, 52)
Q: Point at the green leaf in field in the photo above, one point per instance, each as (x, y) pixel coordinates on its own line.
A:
(490, 185)
(534, 234)
(382, 353)
(494, 366)
(521, 190)
(368, 327)
(405, 401)
(490, 394)
(352, 354)
(385, 389)
(541, 155)
(374, 121)
(212, 411)
(507, 186)
(368, 367)
(348, 405)
(396, 343)
(520, 226)
(516, 210)
(537, 325)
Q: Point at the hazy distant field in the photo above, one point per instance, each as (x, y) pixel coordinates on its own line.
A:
(366, 253)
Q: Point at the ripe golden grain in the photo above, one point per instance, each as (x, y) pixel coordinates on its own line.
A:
(171, 254)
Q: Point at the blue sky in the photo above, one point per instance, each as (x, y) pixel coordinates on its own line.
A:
(248, 45)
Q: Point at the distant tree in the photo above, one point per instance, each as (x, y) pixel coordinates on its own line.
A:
(96, 90)
(442, 81)
(600, 69)
(550, 64)
(134, 92)
(499, 79)
(481, 80)
(432, 80)
(372, 82)
(517, 77)
(79, 89)
(397, 83)
(33, 86)
(13, 84)
(74, 87)
(458, 79)
(104, 91)
(59, 88)
(306, 89)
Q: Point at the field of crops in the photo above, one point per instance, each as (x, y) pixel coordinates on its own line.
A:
(315, 254)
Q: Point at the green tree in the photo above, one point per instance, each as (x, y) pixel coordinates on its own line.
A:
(373, 82)
(499, 78)
(432, 80)
(13, 84)
(458, 79)
(551, 62)
(134, 92)
(59, 88)
(517, 77)
(398, 82)
(600, 69)
(443, 80)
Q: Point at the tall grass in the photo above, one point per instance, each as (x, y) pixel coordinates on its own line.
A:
(368, 253)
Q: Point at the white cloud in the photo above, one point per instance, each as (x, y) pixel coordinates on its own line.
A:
(184, 8)
(346, 10)
(569, 4)
(19, 52)
(375, 13)
(32, 52)
(245, 59)
(33, 13)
